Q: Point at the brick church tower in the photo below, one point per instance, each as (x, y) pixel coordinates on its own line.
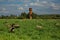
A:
(30, 13)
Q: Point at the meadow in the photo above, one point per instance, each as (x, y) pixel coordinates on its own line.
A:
(50, 29)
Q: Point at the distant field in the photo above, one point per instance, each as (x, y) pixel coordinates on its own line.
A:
(28, 29)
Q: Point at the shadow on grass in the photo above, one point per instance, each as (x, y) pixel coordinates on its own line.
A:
(55, 37)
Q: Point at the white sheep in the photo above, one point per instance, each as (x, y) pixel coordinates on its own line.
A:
(39, 27)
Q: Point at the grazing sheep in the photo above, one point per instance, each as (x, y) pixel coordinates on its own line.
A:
(12, 28)
(16, 26)
(39, 27)
(57, 24)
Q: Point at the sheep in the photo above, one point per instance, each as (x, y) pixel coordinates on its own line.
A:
(57, 24)
(13, 26)
(39, 27)
(16, 26)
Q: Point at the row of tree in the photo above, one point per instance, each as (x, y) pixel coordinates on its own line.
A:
(24, 15)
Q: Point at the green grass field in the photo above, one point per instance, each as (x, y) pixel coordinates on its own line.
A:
(28, 31)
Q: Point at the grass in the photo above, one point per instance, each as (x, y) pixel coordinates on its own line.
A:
(28, 30)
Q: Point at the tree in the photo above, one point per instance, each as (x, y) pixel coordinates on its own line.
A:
(2, 16)
(23, 15)
(13, 16)
(34, 16)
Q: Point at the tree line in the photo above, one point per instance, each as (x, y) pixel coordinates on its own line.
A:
(25, 15)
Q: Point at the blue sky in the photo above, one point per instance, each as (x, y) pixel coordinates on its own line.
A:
(39, 6)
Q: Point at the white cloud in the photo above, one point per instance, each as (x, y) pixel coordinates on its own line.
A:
(23, 0)
(37, 0)
(10, 0)
(44, 2)
(3, 9)
(54, 6)
(32, 4)
(12, 4)
(26, 5)
(2, 0)
(26, 0)
(21, 8)
(36, 4)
